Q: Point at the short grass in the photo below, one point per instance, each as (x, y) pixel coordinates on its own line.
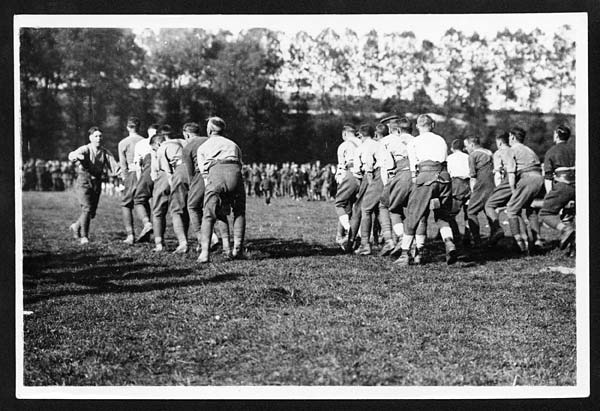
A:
(297, 311)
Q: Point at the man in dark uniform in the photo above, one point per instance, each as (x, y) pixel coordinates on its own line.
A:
(93, 160)
(220, 162)
(126, 150)
(432, 189)
(481, 169)
(559, 173)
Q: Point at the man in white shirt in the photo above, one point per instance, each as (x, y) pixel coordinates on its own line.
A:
(458, 168)
(427, 155)
(220, 162)
(347, 185)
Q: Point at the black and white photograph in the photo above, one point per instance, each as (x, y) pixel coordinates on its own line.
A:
(297, 206)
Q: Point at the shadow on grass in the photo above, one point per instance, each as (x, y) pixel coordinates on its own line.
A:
(274, 248)
(35, 264)
(107, 286)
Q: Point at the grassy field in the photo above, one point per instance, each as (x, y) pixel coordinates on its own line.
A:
(297, 311)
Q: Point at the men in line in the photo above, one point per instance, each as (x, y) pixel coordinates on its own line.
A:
(559, 173)
(481, 173)
(525, 180)
(366, 169)
(427, 155)
(347, 183)
(126, 150)
(142, 157)
(93, 160)
(220, 162)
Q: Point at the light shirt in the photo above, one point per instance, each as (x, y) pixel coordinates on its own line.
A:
(169, 155)
(126, 150)
(458, 164)
(141, 150)
(394, 148)
(521, 158)
(217, 148)
(427, 146)
(366, 157)
(345, 151)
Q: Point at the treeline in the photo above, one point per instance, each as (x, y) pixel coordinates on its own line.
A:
(282, 102)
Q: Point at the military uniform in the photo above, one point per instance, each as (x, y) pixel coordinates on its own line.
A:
(528, 183)
(168, 157)
(427, 155)
(89, 181)
(559, 167)
(143, 158)
(195, 200)
(126, 149)
(458, 168)
(348, 185)
(481, 168)
(368, 158)
(502, 192)
(220, 162)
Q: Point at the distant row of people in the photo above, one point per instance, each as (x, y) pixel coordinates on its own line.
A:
(310, 180)
(51, 175)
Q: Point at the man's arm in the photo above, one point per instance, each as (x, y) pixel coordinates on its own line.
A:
(113, 168)
(188, 161)
(78, 154)
(121, 148)
(472, 172)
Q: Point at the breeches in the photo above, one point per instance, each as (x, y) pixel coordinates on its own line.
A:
(398, 191)
(144, 188)
(88, 193)
(527, 187)
(179, 191)
(557, 198)
(346, 194)
(160, 196)
(224, 192)
(128, 194)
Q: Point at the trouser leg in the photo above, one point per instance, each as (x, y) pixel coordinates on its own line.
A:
(127, 214)
(84, 222)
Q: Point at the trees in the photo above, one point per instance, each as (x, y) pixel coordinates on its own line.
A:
(71, 79)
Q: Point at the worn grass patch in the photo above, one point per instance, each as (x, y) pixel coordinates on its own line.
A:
(295, 312)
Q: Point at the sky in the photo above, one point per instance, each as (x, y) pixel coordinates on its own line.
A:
(424, 26)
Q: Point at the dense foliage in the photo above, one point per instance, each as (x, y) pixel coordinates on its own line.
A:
(285, 98)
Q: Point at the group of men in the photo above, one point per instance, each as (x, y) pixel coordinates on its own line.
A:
(196, 179)
(310, 180)
(389, 177)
